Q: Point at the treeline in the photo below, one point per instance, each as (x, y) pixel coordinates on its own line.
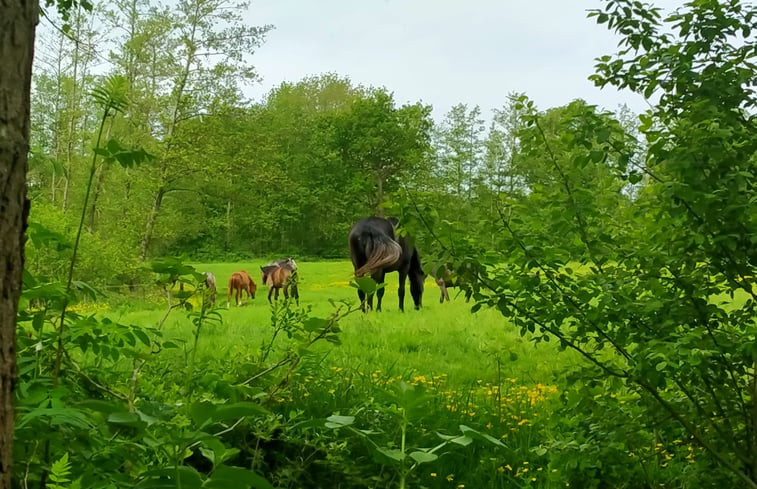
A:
(289, 174)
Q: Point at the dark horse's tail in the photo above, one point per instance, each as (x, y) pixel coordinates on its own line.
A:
(379, 249)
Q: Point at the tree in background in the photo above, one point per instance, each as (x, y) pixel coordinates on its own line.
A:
(206, 59)
(459, 150)
(385, 143)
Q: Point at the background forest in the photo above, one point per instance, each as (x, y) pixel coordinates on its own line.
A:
(230, 178)
(622, 245)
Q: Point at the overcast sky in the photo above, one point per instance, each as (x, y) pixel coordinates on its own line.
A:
(442, 52)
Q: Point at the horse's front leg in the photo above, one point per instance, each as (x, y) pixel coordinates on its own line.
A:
(270, 292)
(379, 278)
(416, 288)
(401, 291)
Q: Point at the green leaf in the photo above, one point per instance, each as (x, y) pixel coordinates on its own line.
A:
(201, 412)
(315, 324)
(238, 410)
(365, 284)
(423, 457)
(126, 419)
(336, 421)
(391, 453)
(181, 476)
(468, 431)
(236, 477)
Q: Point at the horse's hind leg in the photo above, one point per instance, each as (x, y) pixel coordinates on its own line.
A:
(401, 291)
(379, 278)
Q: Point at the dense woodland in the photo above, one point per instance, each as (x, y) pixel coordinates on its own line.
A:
(230, 178)
(626, 239)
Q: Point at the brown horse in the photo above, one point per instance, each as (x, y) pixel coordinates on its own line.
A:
(281, 274)
(238, 282)
(446, 278)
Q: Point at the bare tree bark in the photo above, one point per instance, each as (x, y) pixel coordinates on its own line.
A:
(18, 20)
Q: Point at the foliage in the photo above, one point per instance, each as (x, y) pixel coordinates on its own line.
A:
(636, 255)
(655, 292)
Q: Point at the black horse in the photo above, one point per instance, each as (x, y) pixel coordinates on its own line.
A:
(375, 251)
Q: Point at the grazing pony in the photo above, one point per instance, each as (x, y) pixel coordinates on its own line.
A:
(210, 284)
(281, 274)
(445, 279)
(238, 282)
(375, 251)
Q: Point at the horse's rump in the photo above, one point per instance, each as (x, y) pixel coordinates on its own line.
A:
(242, 281)
(372, 240)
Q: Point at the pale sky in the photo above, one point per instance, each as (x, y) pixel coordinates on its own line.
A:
(442, 52)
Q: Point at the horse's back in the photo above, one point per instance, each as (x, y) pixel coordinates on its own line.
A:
(372, 226)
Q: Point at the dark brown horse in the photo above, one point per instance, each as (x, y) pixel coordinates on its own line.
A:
(238, 282)
(281, 274)
(376, 251)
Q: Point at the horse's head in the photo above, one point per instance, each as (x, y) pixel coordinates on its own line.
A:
(290, 263)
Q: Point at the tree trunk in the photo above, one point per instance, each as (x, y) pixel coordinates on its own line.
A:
(95, 196)
(228, 225)
(151, 218)
(379, 195)
(18, 19)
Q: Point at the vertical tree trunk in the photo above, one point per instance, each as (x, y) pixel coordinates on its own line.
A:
(228, 225)
(95, 195)
(151, 218)
(379, 195)
(18, 19)
(73, 108)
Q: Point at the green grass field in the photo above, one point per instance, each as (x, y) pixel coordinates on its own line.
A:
(441, 338)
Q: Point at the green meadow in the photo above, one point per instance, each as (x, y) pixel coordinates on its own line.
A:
(441, 338)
